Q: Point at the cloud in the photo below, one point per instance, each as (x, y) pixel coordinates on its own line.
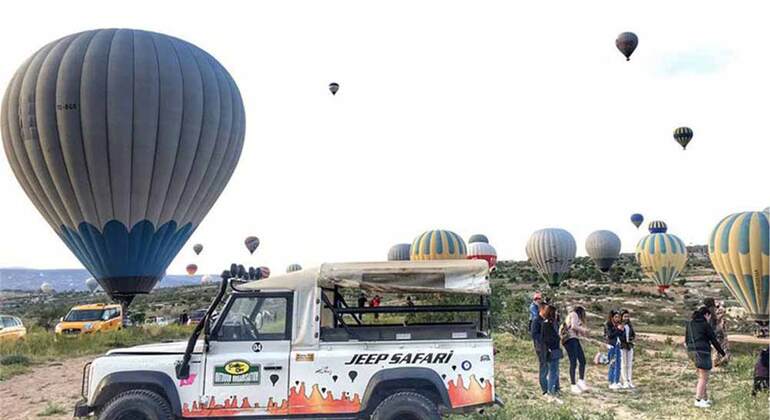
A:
(696, 62)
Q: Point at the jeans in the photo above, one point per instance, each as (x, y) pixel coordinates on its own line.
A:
(549, 373)
(576, 358)
(627, 366)
(614, 371)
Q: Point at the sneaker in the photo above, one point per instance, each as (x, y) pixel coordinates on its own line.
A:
(556, 399)
(702, 404)
(582, 385)
(625, 386)
(708, 403)
(614, 386)
(631, 385)
(575, 389)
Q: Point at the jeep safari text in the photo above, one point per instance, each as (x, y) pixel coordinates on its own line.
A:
(290, 346)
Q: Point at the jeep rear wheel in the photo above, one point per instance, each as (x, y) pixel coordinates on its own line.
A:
(139, 404)
(406, 406)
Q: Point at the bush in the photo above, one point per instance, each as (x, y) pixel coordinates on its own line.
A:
(14, 359)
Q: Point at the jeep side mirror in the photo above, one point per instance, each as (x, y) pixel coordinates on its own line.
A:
(61, 319)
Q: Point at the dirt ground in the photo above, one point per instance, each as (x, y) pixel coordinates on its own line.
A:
(733, 338)
(57, 384)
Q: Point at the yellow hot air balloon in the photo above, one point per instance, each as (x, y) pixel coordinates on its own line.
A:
(438, 245)
(739, 249)
(662, 257)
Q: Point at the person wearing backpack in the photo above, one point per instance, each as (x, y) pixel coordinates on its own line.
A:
(699, 337)
(571, 331)
(614, 334)
(545, 331)
(627, 351)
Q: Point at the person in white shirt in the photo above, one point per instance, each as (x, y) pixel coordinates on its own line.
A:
(627, 351)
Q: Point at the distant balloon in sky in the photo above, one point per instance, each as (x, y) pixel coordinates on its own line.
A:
(552, 251)
(603, 247)
(483, 251)
(399, 252)
(252, 243)
(264, 272)
(91, 284)
(46, 288)
(293, 267)
(637, 219)
(626, 43)
(739, 247)
(191, 269)
(207, 279)
(683, 135)
(662, 256)
(478, 238)
(197, 248)
(657, 226)
(123, 139)
(438, 245)
(333, 88)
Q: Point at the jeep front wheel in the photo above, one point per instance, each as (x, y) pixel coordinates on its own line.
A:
(139, 404)
(406, 406)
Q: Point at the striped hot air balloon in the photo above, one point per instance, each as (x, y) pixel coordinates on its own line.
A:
(662, 257)
(91, 284)
(657, 226)
(603, 246)
(123, 140)
(739, 248)
(399, 252)
(252, 243)
(552, 251)
(293, 267)
(191, 269)
(483, 251)
(478, 238)
(683, 135)
(438, 245)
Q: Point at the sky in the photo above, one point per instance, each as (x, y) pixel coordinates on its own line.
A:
(491, 117)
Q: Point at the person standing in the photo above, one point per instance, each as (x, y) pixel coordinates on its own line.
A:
(627, 351)
(546, 336)
(361, 304)
(721, 333)
(376, 304)
(575, 329)
(613, 332)
(534, 308)
(699, 337)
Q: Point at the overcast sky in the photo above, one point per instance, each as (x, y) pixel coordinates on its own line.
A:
(480, 117)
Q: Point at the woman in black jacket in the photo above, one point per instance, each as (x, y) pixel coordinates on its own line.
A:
(614, 333)
(627, 351)
(545, 331)
(699, 337)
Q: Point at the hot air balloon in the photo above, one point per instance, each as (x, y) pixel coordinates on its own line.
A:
(683, 135)
(46, 288)
(438, 245)
(661, 255)
(91, 284)
(264, 272)
(483, 251)
(293, 267)
(637, 219)
(657, 226)
(551, 251)
(123, 140)
(626, 43)
(197, 248)
(766, 210)
(208, 278)
(603, 247)
(478, 238)
(334, 87)
(252, 243)
(399, 252)
(191, 269)
(739, 248)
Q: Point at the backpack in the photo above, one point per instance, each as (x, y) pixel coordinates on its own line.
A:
(564, 332)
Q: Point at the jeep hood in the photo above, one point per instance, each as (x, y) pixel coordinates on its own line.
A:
(177, 347)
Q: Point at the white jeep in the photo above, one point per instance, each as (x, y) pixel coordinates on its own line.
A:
(290, 346)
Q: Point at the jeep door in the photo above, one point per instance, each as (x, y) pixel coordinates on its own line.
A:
(247, 364)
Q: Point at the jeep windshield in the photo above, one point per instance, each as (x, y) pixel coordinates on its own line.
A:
(77, 315)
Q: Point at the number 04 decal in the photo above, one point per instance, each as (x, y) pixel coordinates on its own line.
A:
(256, 347)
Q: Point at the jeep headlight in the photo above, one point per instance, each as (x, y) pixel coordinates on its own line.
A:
(57, 329)
(88, 325)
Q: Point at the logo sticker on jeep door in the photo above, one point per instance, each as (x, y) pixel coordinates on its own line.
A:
(236, 372)
(400, 358)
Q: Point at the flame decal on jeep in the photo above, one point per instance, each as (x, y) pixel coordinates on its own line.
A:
(474, 394)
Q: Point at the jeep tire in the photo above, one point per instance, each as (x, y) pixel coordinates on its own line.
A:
(406, 406)
(140, 404)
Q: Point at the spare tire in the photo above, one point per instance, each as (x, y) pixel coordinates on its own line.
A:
(406, 406)
(140, 404)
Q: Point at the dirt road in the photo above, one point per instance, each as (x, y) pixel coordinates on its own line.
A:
(53, 386)
(749, 339)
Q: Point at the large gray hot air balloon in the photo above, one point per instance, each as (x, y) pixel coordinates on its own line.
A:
(123, 139)
(551, 251)
(293, 267)
(478, 237)
(626, 43)
(91, 284)
(46, 288)
(399, 252)
(603, 247)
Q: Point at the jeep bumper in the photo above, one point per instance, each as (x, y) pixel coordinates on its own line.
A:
(82, 409)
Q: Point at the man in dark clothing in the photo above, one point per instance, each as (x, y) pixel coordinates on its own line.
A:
(361, 304)
(547, 343)
(761, 373)
(699, 337)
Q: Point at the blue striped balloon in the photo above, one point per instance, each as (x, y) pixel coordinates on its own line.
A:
(438, 245)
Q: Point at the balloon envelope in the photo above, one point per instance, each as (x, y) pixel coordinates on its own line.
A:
(293, 267)
(399, 252)
(123, 140)
(252, 243)
(626, 43)
(683, 135)
(657, 226)
(264, 272)
(478, 238)
(91, 284)
(208, 278)
(552, 251)
(603, 247)
(46, 288)
(333, 88)
(483, 251)
(191, 269)
(637, 219)
(662, 257)
(438, 245)
(739, 248)
(197, 248)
